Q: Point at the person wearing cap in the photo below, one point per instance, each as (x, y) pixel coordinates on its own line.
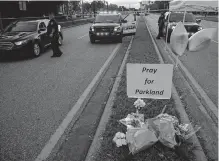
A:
(160, 25)
(53, 33)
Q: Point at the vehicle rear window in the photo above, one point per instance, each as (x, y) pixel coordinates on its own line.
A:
(177, 17)
(22, 27)
(107, 19)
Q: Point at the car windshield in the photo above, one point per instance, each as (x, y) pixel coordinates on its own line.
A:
(177, 17)
(22, 27)
(107, 19)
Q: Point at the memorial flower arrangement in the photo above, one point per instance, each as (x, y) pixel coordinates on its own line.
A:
(142, 134)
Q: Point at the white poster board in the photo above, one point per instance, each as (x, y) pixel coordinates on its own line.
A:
(152, 81)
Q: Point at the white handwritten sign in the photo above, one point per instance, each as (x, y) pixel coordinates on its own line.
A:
(149, 80)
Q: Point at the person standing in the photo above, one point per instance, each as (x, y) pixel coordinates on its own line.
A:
(53, 33)
(160, 25)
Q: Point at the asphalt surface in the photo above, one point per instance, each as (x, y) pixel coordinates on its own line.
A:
(36, 94)
(203, 65)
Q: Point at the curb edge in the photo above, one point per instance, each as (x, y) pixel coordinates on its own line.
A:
(107, 111)
(200, 155)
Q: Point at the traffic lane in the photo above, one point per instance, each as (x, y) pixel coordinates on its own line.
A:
(211, 24)
(203, 65)
(37, 94)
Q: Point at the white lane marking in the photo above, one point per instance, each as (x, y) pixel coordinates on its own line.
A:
(82, 36)
(47, 149)
(215, 41)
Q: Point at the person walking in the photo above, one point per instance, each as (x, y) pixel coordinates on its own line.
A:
(53, 33)
(160, 25)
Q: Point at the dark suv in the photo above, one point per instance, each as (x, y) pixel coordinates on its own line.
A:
(26, 36)
(191, 24)
(107, 26)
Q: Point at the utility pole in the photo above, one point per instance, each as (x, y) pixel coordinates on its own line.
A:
(82, 8)
(1, 25)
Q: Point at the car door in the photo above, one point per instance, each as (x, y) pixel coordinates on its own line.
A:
(43, 34)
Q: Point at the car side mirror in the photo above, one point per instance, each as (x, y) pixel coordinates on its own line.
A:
(124, 21)
(42, 29)
(198, 21)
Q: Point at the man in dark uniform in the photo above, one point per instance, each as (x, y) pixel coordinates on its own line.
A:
(53, 33)
(160, 24)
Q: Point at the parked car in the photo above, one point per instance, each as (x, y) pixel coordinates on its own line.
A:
(191, 24)
(27, 36)
(107, 26)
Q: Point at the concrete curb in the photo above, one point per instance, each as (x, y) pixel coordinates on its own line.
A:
(53, 144)
(96, 143)
(199, 153)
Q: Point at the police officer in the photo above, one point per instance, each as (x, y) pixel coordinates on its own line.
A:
(160, 24)
(53, 33)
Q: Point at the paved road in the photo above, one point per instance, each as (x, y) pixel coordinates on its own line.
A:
(36, 94)
(203, 65)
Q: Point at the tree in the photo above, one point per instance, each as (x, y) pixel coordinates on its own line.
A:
(86, 6)
(122, 8)
(162, 4)
(97, 5)
(113, 7)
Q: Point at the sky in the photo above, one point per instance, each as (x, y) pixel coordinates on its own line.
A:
(126, 3)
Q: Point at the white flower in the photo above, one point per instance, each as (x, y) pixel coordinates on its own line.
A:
(120, 139)
(139, 103)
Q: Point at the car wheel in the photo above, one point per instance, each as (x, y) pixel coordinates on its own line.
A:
(36, 49)
(168, 37)
(92, 40)
(60, 40)
(120, 39)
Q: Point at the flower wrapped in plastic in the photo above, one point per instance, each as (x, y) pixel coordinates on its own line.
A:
(120, 139)
(133, 120)
(163, 126)
(139, 139)
(186, 130)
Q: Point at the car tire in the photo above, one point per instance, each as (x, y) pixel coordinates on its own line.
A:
(168, 37)
(120, 39)
(36, 49)
(92, 40)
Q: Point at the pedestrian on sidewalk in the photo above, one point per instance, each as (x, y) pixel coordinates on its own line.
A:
(160, 25)
(53, 33)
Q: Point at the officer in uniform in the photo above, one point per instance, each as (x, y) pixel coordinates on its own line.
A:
(160, 24)
(53, 33)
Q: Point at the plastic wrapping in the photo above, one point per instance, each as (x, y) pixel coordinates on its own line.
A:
(133, 120)
(139, 139)
(141, 135)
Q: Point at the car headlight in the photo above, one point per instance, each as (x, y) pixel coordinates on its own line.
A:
(18, 43)
(92, 29)
(173, 27)
(117, 28)
(200, 28)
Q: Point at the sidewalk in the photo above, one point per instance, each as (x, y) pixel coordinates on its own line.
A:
(142, 51)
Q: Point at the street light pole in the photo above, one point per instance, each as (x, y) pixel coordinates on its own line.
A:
(82, 8)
